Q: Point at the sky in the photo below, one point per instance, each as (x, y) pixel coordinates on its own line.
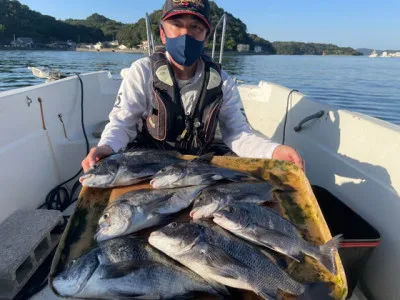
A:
(353, 23)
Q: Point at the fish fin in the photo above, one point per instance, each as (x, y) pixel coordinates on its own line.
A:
(263, 235)
(205, 157)
(327, 253)
(122, 269)
(217, 177)
(220, 288)
(280, 262)
(267, 294)
(238, 177)
(270, 256)
(221, 262)
(317, 291)
(132, 296)
(155, 205)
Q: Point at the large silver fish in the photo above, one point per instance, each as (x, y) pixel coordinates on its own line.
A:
(128, 168)
(215, 197)
(196, 172)
(128, 268)
(221, 258)
(266, 228)
(137, 210)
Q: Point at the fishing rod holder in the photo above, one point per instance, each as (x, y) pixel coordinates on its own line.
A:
(223, 20)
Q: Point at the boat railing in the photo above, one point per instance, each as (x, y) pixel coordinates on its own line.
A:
(222, 21)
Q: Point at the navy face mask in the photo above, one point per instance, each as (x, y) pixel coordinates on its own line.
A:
(184, 49)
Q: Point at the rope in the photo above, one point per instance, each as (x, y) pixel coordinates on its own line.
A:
(53, 154)
(59, 197)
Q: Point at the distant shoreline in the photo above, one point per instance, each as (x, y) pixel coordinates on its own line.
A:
(138, 51)
(110, 50)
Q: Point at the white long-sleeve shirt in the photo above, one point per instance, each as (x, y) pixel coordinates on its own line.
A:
(134, 103)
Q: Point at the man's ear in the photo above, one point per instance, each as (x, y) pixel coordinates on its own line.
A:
(162, 35)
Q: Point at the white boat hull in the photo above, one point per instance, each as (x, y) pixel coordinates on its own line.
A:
(351, 155)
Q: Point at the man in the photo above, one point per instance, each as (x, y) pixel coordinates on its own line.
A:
(181, 95)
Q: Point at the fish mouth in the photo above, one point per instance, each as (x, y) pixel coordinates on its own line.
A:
(84, 177)
(99, 234)
(218, 215)
(156, 235)
(193, 214)
(154, 184)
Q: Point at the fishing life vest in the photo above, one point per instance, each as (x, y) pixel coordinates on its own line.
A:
(167, 126)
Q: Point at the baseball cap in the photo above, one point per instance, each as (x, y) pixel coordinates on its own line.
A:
(198, 8)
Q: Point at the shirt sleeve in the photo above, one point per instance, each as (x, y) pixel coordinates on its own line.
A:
(129, 108)
(237, 133)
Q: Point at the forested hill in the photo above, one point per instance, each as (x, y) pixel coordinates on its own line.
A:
(19, 19)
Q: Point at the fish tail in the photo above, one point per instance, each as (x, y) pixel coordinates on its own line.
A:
(316, 291)
(327, 253)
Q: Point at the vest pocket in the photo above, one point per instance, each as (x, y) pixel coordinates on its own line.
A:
(156, 122)
(210, 119)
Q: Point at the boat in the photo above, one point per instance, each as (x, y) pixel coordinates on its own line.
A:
(351, 155)
(385, 54)
(374, 54)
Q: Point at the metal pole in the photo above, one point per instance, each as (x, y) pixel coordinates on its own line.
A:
(149, 34)
(221, 54)
(215, 38)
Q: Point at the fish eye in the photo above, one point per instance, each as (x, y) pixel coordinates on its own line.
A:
(163, 170)
(106, 216)
(174, 225)
(231, 209)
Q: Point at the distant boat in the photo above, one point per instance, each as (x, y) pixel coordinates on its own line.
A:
(374, 54)
(385, 54)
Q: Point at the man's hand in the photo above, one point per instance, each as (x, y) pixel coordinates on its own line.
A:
(288, 154)
(95, 155)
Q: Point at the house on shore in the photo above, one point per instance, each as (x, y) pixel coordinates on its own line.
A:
(243, 48)
(258, 49)
(86, 46)
(23, 42)
(144, 46)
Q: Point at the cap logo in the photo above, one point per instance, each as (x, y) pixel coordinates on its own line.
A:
(187, 2)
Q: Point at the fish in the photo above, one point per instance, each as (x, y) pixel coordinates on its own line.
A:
(215, 197)
(223, 259)
(195, 172)
(128, 168)
(137, 210)
(128, 268)
(266, 228)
